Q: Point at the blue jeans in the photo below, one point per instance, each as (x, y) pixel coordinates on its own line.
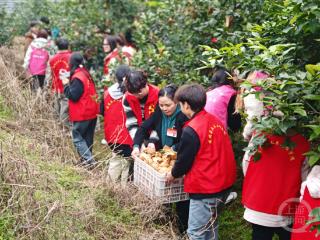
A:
(82, 137)
(203, 217)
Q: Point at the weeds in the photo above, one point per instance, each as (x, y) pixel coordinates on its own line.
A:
(42, 194)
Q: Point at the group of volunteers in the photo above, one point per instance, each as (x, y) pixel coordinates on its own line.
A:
(195, 123)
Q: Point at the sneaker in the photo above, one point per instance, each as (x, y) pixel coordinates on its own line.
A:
(87, 164)
(104, 142)
(232, 196)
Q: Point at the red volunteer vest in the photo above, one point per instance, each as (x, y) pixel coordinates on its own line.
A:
(214, 167)
(112, 55)
(58, 62)
(275, 177)
(302, 216)
(115, 130)
(149, 106)
(86, 108)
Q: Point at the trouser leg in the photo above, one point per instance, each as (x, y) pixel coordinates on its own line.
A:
(89, 133)
(56, 105)
(64, 111)
(78, 131)
(261, 232)
(283, 233)
(41, 80)
(182, 209)
(126, 162)
(203, 217)
(34, 83)
(115, 168)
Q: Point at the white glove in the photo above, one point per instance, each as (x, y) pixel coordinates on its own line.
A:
(63, 74)
(135, 152)
(152, 146)
(313, 182)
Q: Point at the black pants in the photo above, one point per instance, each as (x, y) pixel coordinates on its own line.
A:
(37, 82)
(266, 233)
(182, 211)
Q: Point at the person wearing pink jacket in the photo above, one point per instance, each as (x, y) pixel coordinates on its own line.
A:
(221, 100)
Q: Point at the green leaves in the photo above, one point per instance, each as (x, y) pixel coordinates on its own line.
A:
(313, 157)
(185, 28)
(315, 134)
(312, 97)
(257, 141)
(315, 222)
(312, 68)
(155, 4)
(300, 111)
(283, 45)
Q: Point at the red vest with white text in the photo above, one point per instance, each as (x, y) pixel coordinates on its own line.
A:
(114, 54)
(58, 62)
(114, 121)
(86, 108)
(300, 229)
(214, 167)
(275, 177)
(149, 106)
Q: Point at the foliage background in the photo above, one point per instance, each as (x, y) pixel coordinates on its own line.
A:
(286, 45)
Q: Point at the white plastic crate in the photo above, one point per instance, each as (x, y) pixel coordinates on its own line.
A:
(153, 184)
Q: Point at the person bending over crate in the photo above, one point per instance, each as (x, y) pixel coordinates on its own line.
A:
(206, 158)
(167, 121)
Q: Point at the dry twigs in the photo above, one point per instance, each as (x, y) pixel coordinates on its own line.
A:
(42, 194)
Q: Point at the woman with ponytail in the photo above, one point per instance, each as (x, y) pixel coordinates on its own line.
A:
(116, 133)
(83, 107)
(221, 100)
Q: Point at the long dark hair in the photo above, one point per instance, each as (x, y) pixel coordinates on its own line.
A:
(112, 41)
(221, 77)
(121, 72)
(75, 61)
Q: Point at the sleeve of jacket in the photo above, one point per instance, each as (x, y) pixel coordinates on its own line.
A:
(254, 109)
(74, 90)
(181, 120)
(189, 147)
(131, 120)
(147, 126)
(27, 57)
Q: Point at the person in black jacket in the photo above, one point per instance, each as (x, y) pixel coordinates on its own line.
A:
(167, 121)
